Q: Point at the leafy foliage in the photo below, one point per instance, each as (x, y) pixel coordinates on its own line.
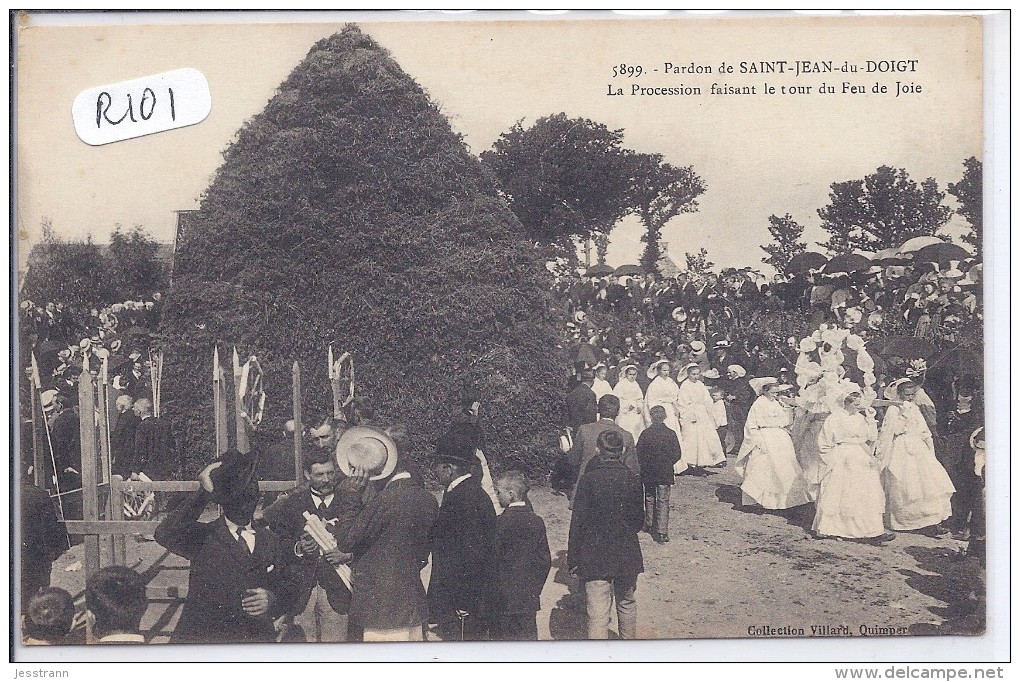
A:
(348, 212)
(659, 192)
(134, 269)
(968, 193)
(786, 234)
(73, 273)
(883, 210)
(698, 263)
(564, 178)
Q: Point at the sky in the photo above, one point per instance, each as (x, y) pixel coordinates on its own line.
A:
(758, 154)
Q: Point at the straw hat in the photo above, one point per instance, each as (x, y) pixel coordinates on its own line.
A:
(369, 448)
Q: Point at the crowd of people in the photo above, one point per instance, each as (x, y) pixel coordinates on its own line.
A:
(668, 379)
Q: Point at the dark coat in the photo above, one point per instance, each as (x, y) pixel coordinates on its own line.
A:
(523, 560)
(221, 572)
(155, 448)
(122, 443)
(582, 408)
(287, 519)
(658, 449)
(743, 398)
(389, 537)
(463, 554)
(42, 539)
(66, 440)
(277, 461)
(608, 514)
(585, 450)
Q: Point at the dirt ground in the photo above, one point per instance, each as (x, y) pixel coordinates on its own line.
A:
(725, 570)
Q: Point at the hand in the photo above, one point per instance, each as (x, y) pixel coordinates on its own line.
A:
(256, 601)
(335, 557)
(357, 481)
(205, 478)
(307, 546)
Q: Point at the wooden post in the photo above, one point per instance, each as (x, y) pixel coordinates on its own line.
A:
(219, 404)
(239, 417)
(38, 463)
(89, 478)
(117, 514)
(298, 428)
(105, 468)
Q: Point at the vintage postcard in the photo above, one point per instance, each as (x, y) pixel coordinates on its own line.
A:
(356, 329)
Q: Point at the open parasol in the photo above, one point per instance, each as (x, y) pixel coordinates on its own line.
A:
(808, 260)
(918, 243)
(941, 253)
(628, 271)
(600, 270)
(847, 262)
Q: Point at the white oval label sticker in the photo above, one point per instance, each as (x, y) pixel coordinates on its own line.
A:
(141, 106)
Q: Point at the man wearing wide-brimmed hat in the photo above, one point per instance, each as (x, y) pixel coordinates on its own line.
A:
(462, 586)
(388, 535)
(240, 579)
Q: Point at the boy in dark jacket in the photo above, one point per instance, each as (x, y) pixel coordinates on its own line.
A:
(523, 561)
(658, 449)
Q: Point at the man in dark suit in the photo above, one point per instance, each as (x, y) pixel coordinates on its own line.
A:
(581, 404)
(658, 449)
(522, 561)
(586, 438)
(122, 438)
(389, 537)
(240, 574)
(42, 540)
(154, 442)
(462, 586)
(603, 548)
(323, 598)
(65, 440)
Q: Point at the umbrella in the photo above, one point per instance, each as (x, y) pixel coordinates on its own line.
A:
(962, 360)
(918, 243)
(600, 270)
(848, 262)
(974, 274)
(808, 260)
(907, 347)
(889, 257)
(940, 253)
(628, 270)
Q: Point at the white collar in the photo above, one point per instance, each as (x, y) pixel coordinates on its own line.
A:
(123, 637)
(235, 529)
(399, 477)
(517, 504)
(457, 481)
(324, 499)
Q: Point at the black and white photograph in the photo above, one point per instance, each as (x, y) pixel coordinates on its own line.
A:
(469, 330)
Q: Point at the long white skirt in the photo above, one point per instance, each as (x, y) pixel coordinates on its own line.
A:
(850, 498)
(772, 476)
(917, 487)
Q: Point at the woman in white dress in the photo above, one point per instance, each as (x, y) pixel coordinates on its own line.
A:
(632, 402)
(664, 391)
(699, 436)
(772, 478)
(851, 502)
(917, 487)
(600, 386)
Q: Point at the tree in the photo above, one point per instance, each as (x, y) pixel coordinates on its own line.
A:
(698, 263)
(786, 234)
(564, 179)
(659, 192)
(133, 267)
(601, 247)
(883, 210)
(71, 273)
(348, 212)
(968, 193)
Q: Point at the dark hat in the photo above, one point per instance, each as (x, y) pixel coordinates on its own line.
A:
(235, 476)
(610, 443)
(452, 449)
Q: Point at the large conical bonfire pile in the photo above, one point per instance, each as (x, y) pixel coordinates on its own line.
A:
(348, 212)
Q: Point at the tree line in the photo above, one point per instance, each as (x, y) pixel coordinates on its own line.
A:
(571, 179)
